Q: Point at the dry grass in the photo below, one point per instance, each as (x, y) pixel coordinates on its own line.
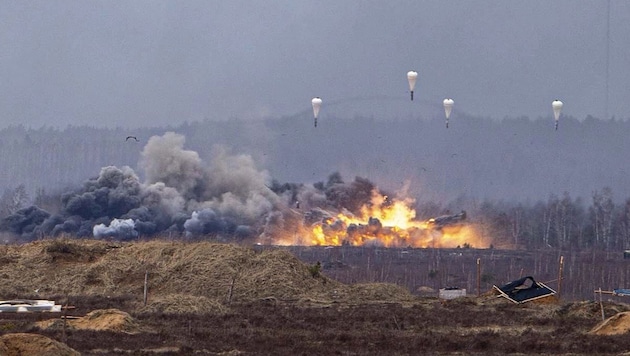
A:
(181, 304)
(378, 292)
(233, 299)
(182, 276)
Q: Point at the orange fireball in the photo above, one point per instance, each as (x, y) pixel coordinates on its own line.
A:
(386, 222)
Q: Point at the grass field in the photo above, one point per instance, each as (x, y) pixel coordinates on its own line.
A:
(220, 299)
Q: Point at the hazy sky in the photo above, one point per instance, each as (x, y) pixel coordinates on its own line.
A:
(154, 63)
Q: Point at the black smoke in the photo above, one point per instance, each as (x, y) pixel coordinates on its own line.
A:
(227, 198)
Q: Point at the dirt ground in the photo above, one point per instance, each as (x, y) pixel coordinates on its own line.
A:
(228, 300)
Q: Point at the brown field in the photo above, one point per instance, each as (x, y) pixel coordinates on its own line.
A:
(221, 299)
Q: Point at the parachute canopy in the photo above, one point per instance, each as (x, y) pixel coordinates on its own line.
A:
(317, 103)
(448, 107)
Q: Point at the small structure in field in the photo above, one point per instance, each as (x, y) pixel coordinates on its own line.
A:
(524, 290)
(451, 293)
(28, 305)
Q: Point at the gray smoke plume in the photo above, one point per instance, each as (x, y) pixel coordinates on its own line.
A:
(165, 161)
(227, 198)
(235, 188)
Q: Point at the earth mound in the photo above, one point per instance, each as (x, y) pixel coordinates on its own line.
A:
(208, 274)
(33, 344)
(615, 325)
(97, 320)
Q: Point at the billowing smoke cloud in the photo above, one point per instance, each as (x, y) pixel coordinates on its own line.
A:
(228, 198)
(24, 221)
(121, 228)
(165, 161)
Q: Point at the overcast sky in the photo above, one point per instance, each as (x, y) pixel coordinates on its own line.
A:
(153, 63)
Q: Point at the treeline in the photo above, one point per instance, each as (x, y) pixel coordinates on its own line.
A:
(513, 159)
(560, 223)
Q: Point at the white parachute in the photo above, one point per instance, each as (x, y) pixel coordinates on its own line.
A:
(448, 107)
(556, 105)
(317, 104)
(412, 76)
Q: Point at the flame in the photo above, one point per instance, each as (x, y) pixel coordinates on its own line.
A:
(386, 222)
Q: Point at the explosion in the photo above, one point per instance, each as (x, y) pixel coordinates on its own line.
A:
(384, 222)
(229, 199)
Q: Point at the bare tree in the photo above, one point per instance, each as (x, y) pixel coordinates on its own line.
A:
(602, 217)
(623, 225)
(516, 217)
(13, 200)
